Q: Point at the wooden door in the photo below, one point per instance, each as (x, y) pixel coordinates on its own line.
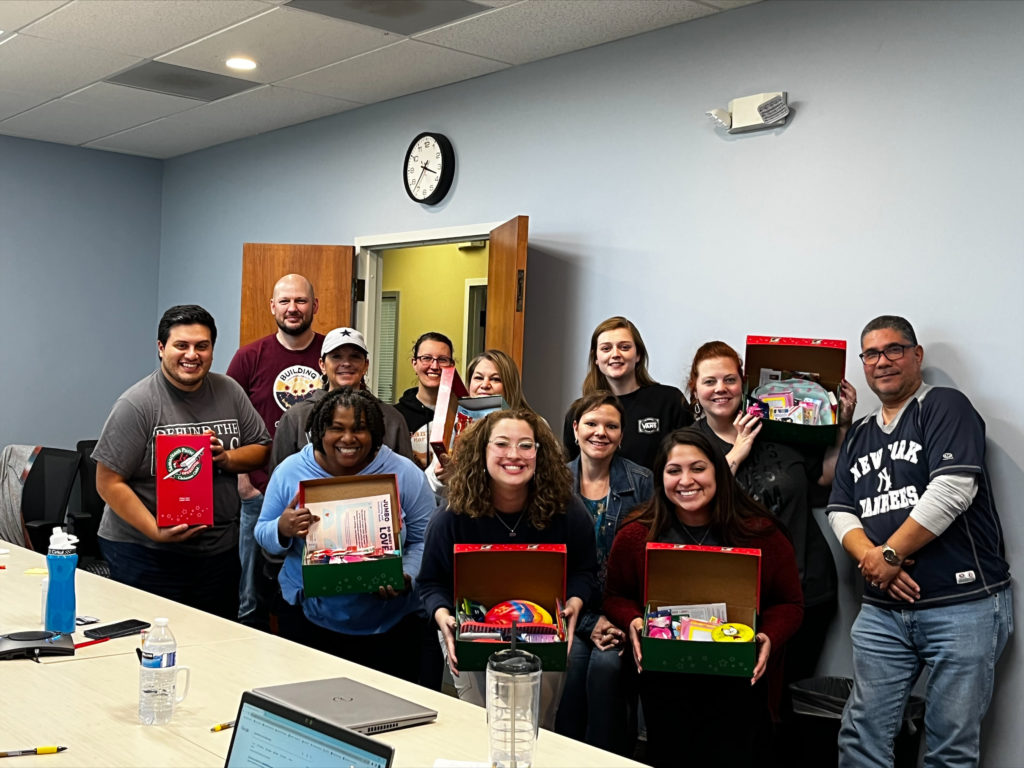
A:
(328, 267)
(506, 288)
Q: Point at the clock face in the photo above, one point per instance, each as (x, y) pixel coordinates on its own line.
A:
(429, 168)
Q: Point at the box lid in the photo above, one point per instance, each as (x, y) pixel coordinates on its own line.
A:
(492, 573)
(354, 487)
(688, 574)
(826, 357)
(446, 408)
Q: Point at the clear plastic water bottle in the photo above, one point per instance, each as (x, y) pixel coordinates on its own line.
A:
(61, 561)
(158, 675)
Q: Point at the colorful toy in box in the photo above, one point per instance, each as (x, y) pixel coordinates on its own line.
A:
(519, 611)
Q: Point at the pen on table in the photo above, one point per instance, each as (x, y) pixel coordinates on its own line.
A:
(91, 642)
(36, 751)
(223, 726)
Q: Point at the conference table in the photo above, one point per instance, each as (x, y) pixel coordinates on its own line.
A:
(88, 702)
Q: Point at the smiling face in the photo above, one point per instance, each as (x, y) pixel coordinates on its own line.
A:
(293, 305)
(485, 380)
(599, 432)
(345, 366)
(509, 467)
(187, 356)
(615, 355)
(894, 381)
(689, 481)
(429, 372)
(346, 446)
(719, 388)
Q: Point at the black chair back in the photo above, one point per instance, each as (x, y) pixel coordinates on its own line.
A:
(44, 500)
(90, 512)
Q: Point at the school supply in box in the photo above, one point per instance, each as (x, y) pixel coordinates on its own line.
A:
(356, 544)
(184, 480)
(706, 589)
(513, 582)
(442, 428)
(794, 387)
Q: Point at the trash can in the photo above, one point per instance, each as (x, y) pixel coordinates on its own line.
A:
(818, 708)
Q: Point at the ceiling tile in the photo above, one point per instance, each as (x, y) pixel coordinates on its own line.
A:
(143, 28)
(546, 28)
(12, 103)
(403, 17)
(14, 14)
(188, 83)
(405, 67)
(50, 69)
(162, 139)
(283, 42)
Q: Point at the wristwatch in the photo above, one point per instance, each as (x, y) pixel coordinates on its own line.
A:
(890, 556)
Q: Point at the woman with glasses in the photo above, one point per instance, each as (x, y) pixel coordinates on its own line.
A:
(431, 353)
(593, 707)
(346, 439)
(618, 362)
(508, 485)
(789, 480)
(702, 719)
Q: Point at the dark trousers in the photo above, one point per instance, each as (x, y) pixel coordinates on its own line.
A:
(703, 719)
(206, 582)
(395, 652)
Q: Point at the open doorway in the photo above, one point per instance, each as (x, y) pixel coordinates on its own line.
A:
(486, 310)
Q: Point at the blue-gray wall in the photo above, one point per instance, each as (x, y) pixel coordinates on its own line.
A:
(79, 251)
(894, 188)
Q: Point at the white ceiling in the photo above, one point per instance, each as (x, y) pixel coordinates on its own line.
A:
(56, 54)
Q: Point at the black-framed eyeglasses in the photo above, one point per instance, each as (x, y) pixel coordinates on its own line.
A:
(892, 352)
(444, 361)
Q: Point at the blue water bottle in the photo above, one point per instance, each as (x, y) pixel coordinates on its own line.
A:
(61, 562)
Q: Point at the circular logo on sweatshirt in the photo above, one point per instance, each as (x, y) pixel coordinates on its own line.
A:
(183, 463)
(295, 384)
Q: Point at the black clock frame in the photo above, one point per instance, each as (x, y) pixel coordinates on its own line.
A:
(444, 184)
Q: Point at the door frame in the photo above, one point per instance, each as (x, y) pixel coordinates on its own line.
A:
(368, 266)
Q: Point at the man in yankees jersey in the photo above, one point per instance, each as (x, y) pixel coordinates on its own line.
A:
(912, 504)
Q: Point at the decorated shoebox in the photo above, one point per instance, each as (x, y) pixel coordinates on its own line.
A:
(493, 573)
(446, 411)
(684, 574)
(355, 546)
(184, 480)
(771, 358)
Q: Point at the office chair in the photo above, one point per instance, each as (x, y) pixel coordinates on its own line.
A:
(87, 520)
(44, 499)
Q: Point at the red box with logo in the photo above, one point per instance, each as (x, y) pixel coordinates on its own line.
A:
(184, 480)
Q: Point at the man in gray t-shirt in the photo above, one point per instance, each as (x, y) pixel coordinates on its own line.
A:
(196, 565)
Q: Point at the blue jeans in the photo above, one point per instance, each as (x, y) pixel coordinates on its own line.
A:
(959, 644)
(248, 555)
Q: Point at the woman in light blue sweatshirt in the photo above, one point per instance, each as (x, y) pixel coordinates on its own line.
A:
(346, 438)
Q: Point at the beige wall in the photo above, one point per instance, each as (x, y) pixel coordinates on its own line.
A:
(431, 282)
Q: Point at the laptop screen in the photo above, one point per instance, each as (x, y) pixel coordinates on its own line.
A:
(267, 733)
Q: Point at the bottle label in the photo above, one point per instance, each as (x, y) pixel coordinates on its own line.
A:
(156, 660)
(61, 552)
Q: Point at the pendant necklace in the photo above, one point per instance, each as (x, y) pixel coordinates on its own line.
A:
(698, 542)
(511, 528)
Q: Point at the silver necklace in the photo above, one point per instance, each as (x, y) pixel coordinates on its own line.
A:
(511, 528)
(698, 542)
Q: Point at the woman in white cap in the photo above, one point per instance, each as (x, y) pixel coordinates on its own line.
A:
(344, 361)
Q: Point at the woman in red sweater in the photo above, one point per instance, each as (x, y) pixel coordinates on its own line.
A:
(697, 501)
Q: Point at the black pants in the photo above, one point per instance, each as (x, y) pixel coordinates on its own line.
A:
(395, 652)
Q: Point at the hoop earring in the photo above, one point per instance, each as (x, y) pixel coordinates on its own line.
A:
(697, 410)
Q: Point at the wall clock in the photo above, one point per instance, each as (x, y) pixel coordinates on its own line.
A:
(429, 168)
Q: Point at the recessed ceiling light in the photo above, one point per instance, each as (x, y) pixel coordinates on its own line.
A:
(239, 62)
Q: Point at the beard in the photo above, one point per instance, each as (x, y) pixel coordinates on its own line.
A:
(298, 330)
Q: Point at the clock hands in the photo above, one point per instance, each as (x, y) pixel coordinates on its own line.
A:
(425, 167)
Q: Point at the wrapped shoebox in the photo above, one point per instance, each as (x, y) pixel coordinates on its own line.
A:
(362, 512)
(683, 574)
(822, 360)
(493, 573)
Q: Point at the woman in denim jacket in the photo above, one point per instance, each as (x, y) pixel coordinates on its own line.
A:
(593, 707)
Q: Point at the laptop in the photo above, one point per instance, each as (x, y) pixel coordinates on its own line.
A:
(345, 702)
(269, 733)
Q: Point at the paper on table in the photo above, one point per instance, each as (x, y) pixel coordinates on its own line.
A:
(362, 523)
